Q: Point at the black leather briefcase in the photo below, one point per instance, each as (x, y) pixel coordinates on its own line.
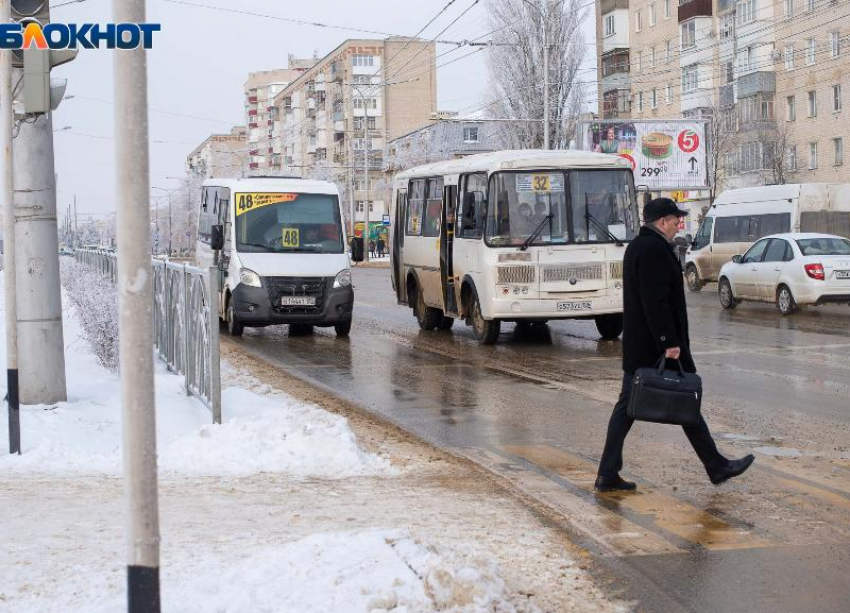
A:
(665, 396)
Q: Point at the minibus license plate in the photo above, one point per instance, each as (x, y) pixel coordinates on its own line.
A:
(842, 274)
(575, 306)
(298, 301)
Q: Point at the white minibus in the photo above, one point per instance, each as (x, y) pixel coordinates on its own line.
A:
(740, 217)
(281, 250)
(518, 236)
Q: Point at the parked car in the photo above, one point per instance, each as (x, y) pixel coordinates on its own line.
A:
(792, 269)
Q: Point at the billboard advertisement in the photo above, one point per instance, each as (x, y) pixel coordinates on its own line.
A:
(665, 155)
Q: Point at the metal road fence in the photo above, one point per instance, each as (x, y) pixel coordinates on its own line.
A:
(185, 322)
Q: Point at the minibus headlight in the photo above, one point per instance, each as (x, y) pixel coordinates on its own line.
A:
(249, 278)
(343, 279)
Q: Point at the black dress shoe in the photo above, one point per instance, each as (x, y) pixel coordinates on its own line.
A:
(732, 469)
(617, 484)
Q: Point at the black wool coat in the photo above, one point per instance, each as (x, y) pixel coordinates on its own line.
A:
(655, 315)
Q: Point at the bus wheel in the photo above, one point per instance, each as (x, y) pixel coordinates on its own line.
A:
(486, 332)
(343, 329)
(694, 282)
(234, 326)
(429, 318)
(446, 323)
(609, 326)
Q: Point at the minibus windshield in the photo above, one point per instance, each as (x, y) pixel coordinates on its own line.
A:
(287, 223)
(577, 206)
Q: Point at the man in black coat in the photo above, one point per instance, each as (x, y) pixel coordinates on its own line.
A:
(655, 323)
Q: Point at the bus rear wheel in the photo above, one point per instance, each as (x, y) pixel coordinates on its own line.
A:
(429, 318)
(486, 331)
(609, 326)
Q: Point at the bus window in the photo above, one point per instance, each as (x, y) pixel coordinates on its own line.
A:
(433, 208)
(601, 206)
(703, 237)
(415, 206)
(471, 206)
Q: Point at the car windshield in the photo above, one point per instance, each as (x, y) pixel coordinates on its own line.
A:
(824, 246)
(286, 223)
(580, 206)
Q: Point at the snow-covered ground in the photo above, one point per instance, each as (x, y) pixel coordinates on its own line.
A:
(279, 509)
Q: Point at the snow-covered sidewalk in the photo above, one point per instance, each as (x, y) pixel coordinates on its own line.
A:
(279, 509)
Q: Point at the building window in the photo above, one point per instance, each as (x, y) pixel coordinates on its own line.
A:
(638, 21)
(836, 98)
(609, 25)
(639, 63)
(810, 5)
(669, 51)
(361, 204)
(370, 103)
(728, 72)
(746, 11)
(666, 9)
(689, 78)
(791, 108)
(813, 103)
(744, 56)
(838, 151)
(789, 57)
(652, 57)
(727, 26)
(788, 8)
(791, 158)
(813, 156)
(363, 60)
(750, 157)
(654, 98)
(688, 30)
(669, 94)
(652, 14)
(811, 49)
(834, 43)
(640, 102)
(470, 135)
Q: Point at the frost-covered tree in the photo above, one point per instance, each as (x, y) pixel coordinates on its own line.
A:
(517, 75)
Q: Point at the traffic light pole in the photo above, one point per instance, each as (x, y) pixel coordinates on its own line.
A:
(135, 324)
(7, 122)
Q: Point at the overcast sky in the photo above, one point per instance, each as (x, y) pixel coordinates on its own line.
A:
(201, 59)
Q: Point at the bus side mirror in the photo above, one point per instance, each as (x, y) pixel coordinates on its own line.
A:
(217, 238)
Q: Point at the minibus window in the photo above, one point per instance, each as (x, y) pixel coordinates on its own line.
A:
(471, 206)
(602, 206)
(703, 237)
(285, 223)
(415, 206)
(433, 208)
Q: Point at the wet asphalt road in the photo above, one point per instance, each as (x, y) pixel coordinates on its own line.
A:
(534, 409)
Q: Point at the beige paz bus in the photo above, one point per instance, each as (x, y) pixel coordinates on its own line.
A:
(513, 236)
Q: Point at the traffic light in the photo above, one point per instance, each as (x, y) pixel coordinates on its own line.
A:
(37, 63)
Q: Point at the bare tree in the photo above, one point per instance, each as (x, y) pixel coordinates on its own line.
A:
(720, 134)
(516, 69)
(774, 136)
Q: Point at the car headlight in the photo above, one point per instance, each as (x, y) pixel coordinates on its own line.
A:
(249, 277)
(343, 279)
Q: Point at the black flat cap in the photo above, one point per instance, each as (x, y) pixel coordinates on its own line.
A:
(661, 207)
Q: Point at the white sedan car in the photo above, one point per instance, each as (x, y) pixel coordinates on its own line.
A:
(790, 270)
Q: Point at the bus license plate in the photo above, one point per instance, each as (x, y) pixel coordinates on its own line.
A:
(298, 301)
(575, 306)
(842, 274)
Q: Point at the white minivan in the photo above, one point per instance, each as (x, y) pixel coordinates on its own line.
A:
(740, 217)
(281, 250)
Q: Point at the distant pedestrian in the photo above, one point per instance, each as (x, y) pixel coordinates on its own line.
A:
(371, 248)
(381, 246)
(655, 323)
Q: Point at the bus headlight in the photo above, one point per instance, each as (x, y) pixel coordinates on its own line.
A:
(343, 279)
(249, 278)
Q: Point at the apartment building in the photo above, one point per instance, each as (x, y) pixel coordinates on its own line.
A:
(220, 155)
(773, 72)
(346, 107)
(439, 140)
(260, 90)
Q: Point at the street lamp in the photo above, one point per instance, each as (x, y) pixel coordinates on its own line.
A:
(169, 192)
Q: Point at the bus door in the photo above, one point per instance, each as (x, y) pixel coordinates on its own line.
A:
(447, 236)
(397, 246)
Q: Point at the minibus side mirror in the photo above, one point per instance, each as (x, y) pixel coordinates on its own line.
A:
(737, 258)
(217, 238)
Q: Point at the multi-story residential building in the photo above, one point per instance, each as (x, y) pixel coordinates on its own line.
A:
(260, 91)
(771, 73)
(220, 155)
(347, 106)
(443, 139)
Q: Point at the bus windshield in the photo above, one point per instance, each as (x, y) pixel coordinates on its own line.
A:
(577, 206)
(287, 223)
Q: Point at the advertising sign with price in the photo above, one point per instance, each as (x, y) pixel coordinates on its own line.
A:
(664, 155)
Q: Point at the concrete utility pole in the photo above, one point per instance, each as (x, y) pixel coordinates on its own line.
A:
(135, 324)
(8, 199)
(41, 347)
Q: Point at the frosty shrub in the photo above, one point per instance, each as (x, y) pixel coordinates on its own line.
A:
(95, 299)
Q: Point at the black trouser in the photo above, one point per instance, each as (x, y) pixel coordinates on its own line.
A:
(620, 424)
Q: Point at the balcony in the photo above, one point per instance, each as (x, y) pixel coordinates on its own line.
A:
(253, 125)
(252, 113)
(252, 100)
(763, 82)
(337, 72)
(612, 5)
(727, 95)
(619, 80)
(694, 8)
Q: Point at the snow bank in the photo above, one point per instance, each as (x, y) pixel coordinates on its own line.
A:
(263, 431)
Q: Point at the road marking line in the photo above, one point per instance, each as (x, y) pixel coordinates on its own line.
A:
(667, 513)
